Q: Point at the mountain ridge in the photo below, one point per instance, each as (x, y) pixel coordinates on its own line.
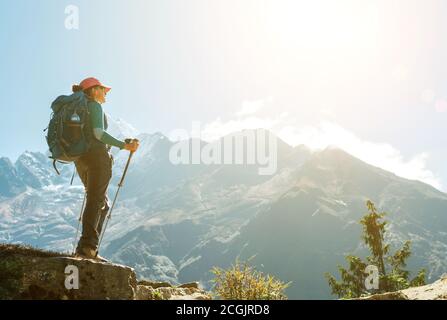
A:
(173, 223)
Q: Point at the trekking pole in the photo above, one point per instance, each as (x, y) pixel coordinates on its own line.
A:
(109, 215)
(79, 222)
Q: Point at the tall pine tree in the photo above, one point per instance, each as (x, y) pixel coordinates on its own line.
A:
(392, 274)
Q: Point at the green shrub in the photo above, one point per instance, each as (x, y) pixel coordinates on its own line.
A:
(242, 282)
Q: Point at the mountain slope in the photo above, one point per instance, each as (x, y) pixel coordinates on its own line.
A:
(175, 222)
(308, 230)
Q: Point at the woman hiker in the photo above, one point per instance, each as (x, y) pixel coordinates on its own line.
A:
(95, 168)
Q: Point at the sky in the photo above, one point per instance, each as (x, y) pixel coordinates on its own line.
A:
(369, 76)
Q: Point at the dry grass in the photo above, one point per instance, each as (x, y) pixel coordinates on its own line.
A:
(242, 282)
(8, 249)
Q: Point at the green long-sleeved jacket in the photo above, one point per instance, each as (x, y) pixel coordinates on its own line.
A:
(99, 127)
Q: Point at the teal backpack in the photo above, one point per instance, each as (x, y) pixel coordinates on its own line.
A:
(69, 133)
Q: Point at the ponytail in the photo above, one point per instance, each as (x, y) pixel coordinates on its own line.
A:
(76, 88)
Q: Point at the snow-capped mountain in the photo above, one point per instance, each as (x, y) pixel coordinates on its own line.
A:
(175, 222)
(120, 129)
(10, 183)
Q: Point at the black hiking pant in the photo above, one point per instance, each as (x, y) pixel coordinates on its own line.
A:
(95, 171)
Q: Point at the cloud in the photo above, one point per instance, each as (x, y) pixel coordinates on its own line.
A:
(218, 128)
(382, 155)
(252, 106)
(328, 133)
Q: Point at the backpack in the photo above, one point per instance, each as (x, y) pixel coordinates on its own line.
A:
(69, 133)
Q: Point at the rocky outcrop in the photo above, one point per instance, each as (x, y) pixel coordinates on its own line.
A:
(28, 273)
(434, 291)
(165, 291)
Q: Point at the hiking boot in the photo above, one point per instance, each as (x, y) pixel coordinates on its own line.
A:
(85, 253)
(101, 259)
(88, 253)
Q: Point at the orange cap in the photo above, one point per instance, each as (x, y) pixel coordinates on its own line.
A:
(92, 82)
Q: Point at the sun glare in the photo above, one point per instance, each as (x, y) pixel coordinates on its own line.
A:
(327, 25)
